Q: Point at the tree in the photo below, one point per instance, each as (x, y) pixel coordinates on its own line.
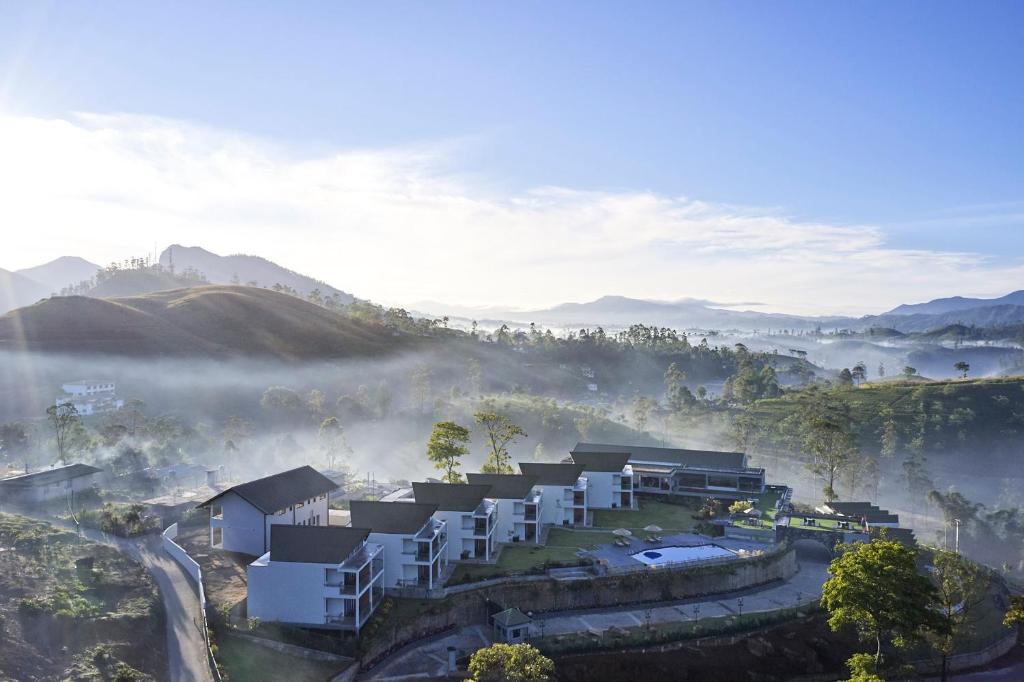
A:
(876, 588)
(962, 586)
(63, 418)
(332, 439)
(909, 371)
(421, 387)
(1015, 614)
(500, 432)
(447, 444)
(510, 663)
(859, 373)
(677, 394)
(829, 438)
(846, 377)
(13, 441)
(963, 368)
(133, 414)
(642, 406)
(863, 669)
(740, 506)
(888, 432)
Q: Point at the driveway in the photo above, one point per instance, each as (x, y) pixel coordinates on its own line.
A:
(186, 646)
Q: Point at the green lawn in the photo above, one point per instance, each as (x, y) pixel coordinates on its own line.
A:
(672, 518)
(243, 660)
(516, 558)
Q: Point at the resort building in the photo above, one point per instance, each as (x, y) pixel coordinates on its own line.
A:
(320, 576)
(563, 492)
(56, 483)
(241, 516)
(90, 396)
(518, 505)
(610, 479)
(471, 517)
(675, 471)
(415, 543)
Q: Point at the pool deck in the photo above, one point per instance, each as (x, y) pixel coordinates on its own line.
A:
(621, 557)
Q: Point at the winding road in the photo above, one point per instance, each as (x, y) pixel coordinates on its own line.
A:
(186, 646)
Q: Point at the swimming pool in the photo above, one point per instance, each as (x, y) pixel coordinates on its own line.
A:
(675, 555)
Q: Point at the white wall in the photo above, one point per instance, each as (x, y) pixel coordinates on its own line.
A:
(455, 532)
(393, 545)
(505, 528)
(599, 492)
(242, 525)
(553, 508)
(289, 592)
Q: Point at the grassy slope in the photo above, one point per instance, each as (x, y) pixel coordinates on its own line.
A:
(957, 411)
(207, 320)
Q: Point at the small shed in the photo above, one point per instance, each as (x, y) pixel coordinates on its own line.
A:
(512, 626)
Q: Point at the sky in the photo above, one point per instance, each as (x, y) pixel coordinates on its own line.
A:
(806, 157)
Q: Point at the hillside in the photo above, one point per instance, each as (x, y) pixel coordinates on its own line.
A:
(244, 269)
(211, 320)
(17, 290)
(939, 306)
(138, 282)
(948, 416)
(61, 272)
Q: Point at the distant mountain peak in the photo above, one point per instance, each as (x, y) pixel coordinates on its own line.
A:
(951, 304)
(243, 269)
(61, 272)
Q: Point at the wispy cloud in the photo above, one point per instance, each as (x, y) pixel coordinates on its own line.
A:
(401, 225)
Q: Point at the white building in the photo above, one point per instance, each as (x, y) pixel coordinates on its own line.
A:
(518, 505)
(563, 492)
(610, 479)
(62, 482)
(415, 543)
(241, 516)
(90, 397)
(322, 576)
(471, 517)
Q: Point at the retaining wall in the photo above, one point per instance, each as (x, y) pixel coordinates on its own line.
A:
(191, 567)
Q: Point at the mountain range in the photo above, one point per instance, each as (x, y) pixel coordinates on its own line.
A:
(27, 286)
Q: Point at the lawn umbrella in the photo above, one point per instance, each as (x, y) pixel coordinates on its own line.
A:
(622, 532)
(652, 528)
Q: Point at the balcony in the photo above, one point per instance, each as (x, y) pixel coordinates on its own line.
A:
(531, 513)
(579, 499)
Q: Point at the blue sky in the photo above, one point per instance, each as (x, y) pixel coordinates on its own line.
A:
(905, 118)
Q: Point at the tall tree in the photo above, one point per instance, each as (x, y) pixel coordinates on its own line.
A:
(13, 441)
(421, 387)
(332, 440)
(448, 443)
(962, 586)
(677, 394)
(510, 663)
(963, 368)
(64, 419)
(500, 432)
(828, 437)
(642, 406)
(1015, 614)
(859, 373)
(876, 588)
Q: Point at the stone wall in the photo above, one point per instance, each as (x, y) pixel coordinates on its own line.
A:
(473, 606)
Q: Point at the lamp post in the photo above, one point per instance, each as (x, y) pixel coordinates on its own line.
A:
(740, 603)
(957, 540)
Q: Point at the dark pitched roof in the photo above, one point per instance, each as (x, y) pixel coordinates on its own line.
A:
(451, 496)
(904, 536)
(510, 618)
(865, 510)
(405, 518)
(49, 476)
(601, 461)
(504, 486)
(674, 456)
(562, 473)
(314, 544)
(273, 493)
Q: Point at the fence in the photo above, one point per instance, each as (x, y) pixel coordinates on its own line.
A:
(191, 567)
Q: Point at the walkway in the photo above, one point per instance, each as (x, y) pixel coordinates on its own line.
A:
(429, 660)
(186, 647)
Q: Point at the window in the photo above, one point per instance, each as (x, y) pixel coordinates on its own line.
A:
(218, 536)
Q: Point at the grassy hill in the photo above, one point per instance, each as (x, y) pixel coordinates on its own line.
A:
(949, 415)
(203, 320)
